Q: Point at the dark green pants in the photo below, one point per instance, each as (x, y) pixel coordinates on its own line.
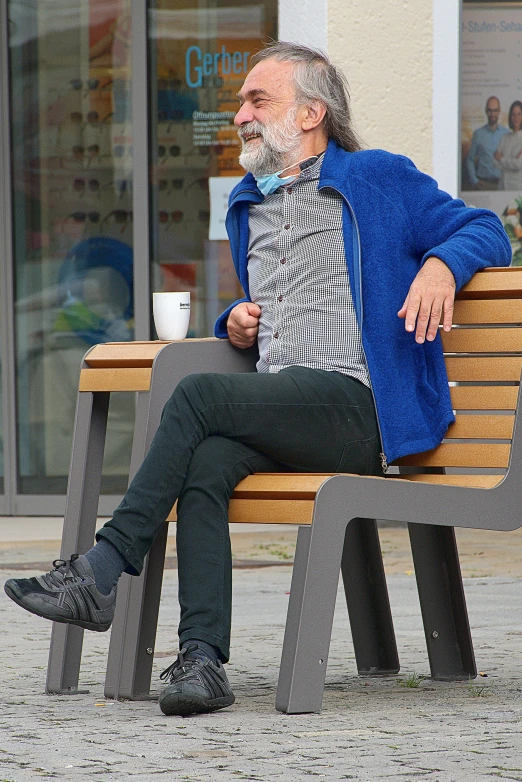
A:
(215, 430)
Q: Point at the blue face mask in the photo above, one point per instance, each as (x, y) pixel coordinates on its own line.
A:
(268, 183)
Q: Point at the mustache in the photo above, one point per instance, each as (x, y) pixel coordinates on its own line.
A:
(249, 128)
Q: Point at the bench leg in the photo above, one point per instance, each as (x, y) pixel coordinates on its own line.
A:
(133, 634)
(367, 599)
(284, 684)
(311, 608)
(78, 530)
(442, 600)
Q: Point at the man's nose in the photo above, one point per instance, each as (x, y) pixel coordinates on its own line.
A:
(243, 115)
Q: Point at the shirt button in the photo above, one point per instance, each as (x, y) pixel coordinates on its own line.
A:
(279, 298)
(287, 226)
(276, 335)
(283, 260)
(289, 190)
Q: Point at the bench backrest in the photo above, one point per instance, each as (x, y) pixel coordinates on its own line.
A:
(484, 360)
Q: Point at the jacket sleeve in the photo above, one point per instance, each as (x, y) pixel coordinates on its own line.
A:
(465, 238)
(220, 326)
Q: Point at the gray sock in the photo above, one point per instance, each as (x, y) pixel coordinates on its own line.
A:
(107, 565)
(203, 651)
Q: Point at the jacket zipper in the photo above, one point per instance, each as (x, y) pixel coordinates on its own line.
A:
(357, 261)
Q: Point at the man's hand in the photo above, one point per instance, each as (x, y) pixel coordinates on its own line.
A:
(498, 156)
(243, 324)
(430, 297)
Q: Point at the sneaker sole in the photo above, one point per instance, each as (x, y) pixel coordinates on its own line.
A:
(182, 705)
(61, 620)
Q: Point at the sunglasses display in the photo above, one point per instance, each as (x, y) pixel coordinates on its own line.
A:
(82, 217)
(173, 184)
(168, 217)
(92, 117)
(174, 150)
(81, 185)
(89, 85)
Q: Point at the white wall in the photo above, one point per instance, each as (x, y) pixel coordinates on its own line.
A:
(304, 21)
(386, 51)
(402, 63)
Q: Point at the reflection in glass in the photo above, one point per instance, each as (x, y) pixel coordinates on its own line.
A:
(199, 55)
(72, 184)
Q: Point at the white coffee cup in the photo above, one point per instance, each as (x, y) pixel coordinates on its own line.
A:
(171, 314)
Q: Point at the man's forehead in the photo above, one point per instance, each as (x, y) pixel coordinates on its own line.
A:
(492, 105)
(268, 77)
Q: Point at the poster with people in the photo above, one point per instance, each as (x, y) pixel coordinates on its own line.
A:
(491, 114)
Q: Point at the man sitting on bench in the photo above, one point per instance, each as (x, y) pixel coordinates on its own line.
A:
(349, 260)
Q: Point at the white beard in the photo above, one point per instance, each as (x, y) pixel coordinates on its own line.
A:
(279, 141)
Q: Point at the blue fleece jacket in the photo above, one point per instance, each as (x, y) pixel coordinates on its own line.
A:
(394, 218)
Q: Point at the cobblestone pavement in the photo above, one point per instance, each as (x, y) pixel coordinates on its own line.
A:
(369, 729)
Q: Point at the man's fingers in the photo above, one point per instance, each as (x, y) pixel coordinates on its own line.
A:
(402, 312)
(434, 321)
(253, 309)
(449, 307)
(429, 301)
(243, 324)
(412, 311)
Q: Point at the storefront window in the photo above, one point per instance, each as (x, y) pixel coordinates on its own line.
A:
(72, 184)
(491, 113)
(199, 55)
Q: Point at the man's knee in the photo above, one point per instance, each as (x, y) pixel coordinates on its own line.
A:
(219, 462)
(194, 390)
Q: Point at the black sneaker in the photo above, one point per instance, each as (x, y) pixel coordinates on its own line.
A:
(197, 685)
(67, 594)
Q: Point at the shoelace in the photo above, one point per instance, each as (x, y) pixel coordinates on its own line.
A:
(180, 663)
(62, 572)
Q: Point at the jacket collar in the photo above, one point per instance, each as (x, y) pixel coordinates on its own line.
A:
(335, 169)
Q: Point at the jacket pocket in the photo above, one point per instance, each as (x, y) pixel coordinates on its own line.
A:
(361, 457)
(428, 392)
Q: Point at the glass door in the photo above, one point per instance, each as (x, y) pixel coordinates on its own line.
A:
(71, 166)
(76, 217)
(199, 57)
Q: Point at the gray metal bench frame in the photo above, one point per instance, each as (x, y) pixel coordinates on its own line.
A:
(343, 538)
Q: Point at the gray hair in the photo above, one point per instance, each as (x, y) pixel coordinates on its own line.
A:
(316, 78)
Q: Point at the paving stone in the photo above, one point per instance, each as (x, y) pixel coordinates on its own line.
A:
(368, 730)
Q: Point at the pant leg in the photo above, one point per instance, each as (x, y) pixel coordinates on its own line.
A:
(203, 540)
(307, 419)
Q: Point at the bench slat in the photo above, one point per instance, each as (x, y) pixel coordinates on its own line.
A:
(461, 455)
(495, 311)
(484, 397)
(267, 511)
(271, 511)
(482, 427)
(300, 511)
(493, 283)
(128, 354)
(482, 340)
(483, 369)
(125, 379)
(280, 485)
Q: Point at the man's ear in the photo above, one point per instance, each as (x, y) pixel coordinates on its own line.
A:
(313, 114)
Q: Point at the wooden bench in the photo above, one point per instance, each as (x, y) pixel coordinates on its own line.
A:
(464, 482)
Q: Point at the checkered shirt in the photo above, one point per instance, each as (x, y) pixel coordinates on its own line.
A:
(297, 274)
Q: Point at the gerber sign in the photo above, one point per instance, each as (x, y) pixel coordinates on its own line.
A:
(203, 67)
